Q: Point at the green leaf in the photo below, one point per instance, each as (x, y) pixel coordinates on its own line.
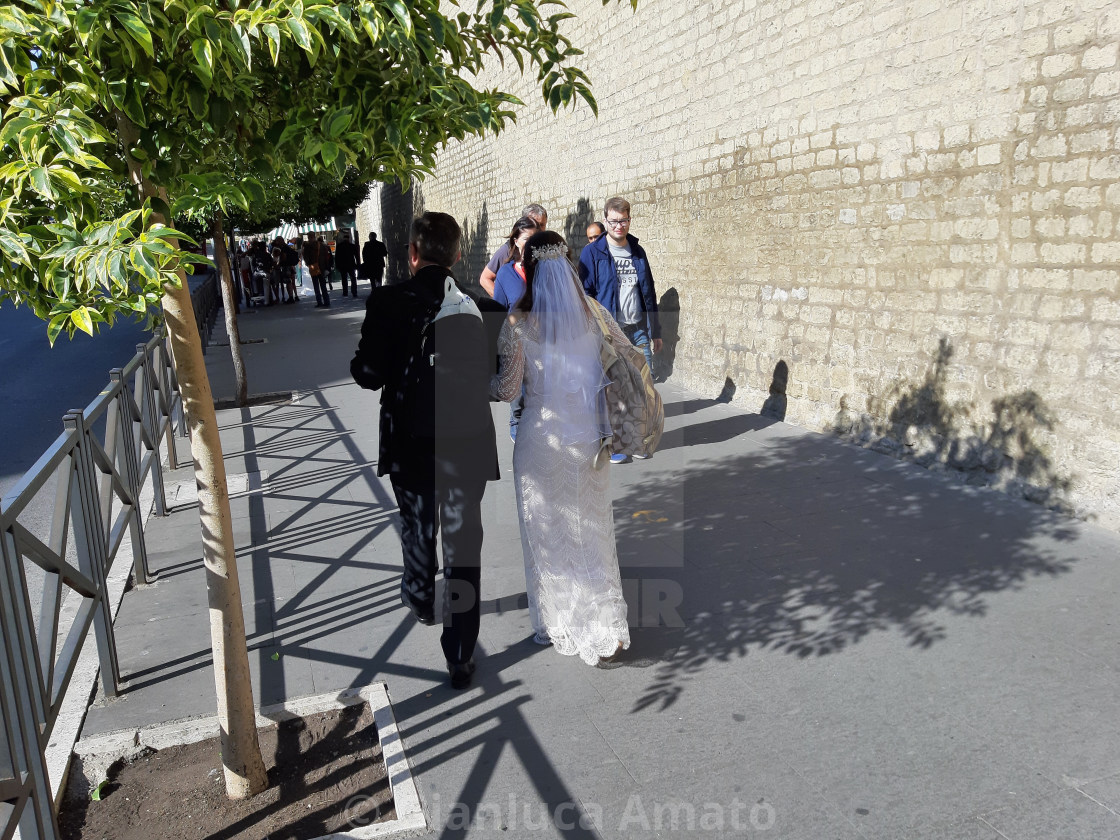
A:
(61, 284)
(67, 179)
(275, 657)
(198, 101)
(143, 263)
(138, 31)
(204, 58)
(133, 107)
(81, 319)
(300, 33)
(400, 12)
(41, 183)
(13, 127)
(84, 22)
(54, 327)
(339, 122)
(272, 32)
(329, 152)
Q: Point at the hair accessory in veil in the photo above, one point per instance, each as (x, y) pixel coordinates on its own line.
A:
(550, 252)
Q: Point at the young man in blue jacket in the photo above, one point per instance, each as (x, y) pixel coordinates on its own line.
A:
(615, 271)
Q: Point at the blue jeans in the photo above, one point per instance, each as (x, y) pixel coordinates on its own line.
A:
(639, 337)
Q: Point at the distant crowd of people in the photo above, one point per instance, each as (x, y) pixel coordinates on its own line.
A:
(268, 272)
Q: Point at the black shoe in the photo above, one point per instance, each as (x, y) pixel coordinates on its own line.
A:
(461, 674)
(426, 617)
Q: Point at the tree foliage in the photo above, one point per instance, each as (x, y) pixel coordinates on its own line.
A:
(176, 88)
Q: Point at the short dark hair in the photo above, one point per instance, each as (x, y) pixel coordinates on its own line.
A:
(600, 225)
(618, 204)
(436, 237)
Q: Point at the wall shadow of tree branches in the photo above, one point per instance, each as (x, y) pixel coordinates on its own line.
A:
(916, 421)
(806, 546)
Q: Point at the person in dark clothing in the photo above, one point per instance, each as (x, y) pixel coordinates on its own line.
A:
(373, 260)
(326, 262)
(438, 480)
(313, 259)
(346, 255)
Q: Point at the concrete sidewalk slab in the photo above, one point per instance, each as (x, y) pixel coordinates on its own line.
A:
(833, 643)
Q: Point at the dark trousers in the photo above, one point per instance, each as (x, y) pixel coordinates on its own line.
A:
(353, 275)
(458, 510)
(319, 281)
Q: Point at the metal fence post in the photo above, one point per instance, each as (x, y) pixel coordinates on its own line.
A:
(27, 795)
(131, 439)
(151, 421)
(92, 551)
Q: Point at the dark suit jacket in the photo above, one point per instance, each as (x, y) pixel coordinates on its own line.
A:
(346, 252)
(395, 318)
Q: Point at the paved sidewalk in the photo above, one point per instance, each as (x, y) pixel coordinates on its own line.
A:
(857, 648)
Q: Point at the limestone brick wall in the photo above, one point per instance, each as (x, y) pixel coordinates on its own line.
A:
(898, 221)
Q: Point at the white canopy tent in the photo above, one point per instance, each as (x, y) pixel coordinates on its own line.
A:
(288, 231)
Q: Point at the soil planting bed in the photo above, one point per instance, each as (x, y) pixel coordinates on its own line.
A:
(325, 771)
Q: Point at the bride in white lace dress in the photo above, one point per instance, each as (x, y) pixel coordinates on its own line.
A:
(550, 344)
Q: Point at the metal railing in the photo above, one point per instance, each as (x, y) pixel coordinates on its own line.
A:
(98, 465)
(206, 297)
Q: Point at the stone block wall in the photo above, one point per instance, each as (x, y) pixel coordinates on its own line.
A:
(899, 221)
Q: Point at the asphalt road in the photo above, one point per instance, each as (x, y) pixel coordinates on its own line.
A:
(40, 383)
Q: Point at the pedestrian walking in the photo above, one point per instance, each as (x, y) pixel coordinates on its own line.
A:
(614, 270)
(347, 258)
(373, 260)
(436, 432)
(549, 351)
(490, 273)
(314, 262)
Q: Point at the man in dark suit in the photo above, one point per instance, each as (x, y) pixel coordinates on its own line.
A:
(438, 481)
(346, 255)
(373, 259)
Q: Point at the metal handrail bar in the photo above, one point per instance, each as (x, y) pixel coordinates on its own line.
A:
(33, 480)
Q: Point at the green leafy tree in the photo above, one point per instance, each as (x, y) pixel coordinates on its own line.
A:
(159, 95)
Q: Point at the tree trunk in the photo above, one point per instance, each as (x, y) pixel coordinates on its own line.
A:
(221, 256)
(241, 752)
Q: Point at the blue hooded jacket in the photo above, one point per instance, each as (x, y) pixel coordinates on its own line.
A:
(600, 279)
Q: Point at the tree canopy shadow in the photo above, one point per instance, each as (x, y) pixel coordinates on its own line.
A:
(575, 226)
(476, 252)
(807, 546)
(916, 421)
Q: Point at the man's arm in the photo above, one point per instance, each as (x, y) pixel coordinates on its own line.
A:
(586, 272)
(486, 280)
(369, 365)
(650, 295)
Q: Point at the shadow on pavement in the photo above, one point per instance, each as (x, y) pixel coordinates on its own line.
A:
(806, 546)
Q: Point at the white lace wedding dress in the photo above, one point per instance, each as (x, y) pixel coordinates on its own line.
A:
(567, 524)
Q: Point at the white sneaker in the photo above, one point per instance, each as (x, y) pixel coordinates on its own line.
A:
(642, 457)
